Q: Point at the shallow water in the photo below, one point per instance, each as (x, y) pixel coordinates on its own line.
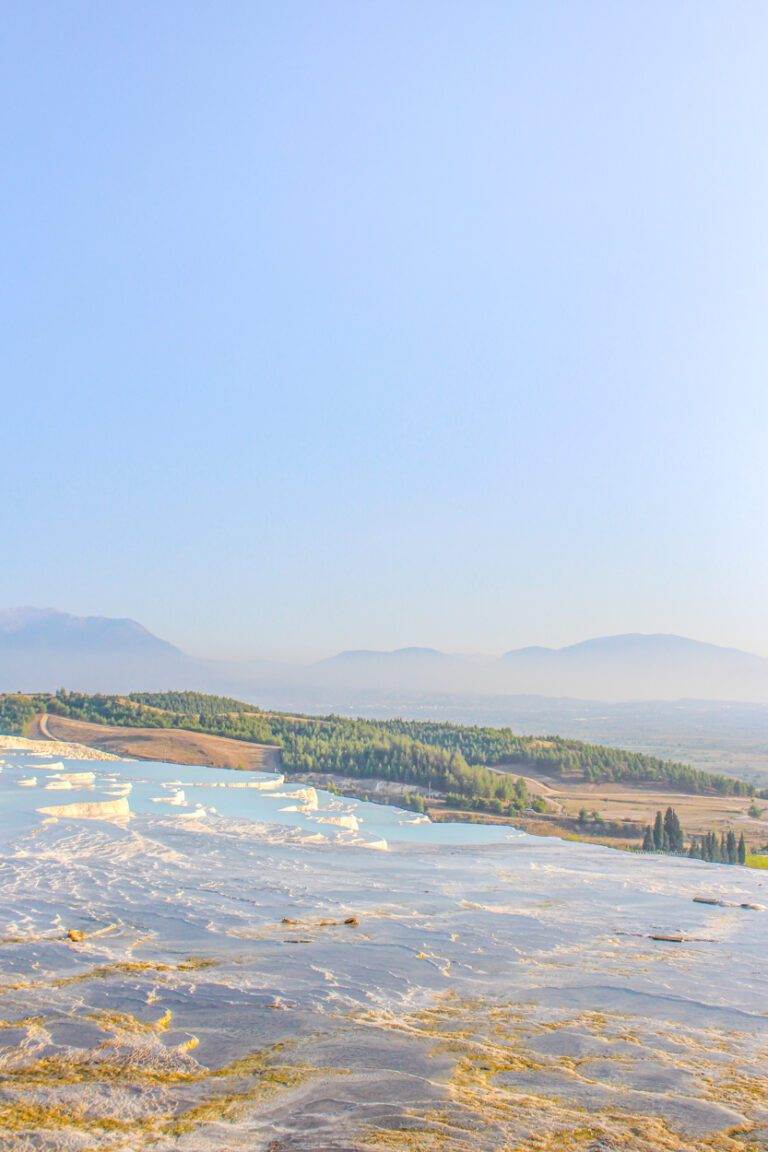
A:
(257, 796)
(495, 990)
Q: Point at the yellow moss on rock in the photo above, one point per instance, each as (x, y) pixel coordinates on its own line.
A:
(118, 968)
(526, 1116)
(266, 1078)
(126, 1022)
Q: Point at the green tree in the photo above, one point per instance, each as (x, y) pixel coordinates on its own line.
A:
(741, 850)
(673, 832)
(658, 832)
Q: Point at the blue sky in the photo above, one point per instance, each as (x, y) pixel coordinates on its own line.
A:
(354, 325)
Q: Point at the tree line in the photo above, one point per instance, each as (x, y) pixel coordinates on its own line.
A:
(666, 835)
(562, 757)
(450, 758)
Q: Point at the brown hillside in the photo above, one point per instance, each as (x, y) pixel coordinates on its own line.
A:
(173, 745)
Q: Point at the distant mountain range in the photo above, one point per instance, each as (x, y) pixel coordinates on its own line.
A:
(42, 649)
(629, 667)
(40, 646)
(41, 629)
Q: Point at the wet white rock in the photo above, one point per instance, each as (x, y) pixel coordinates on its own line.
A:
(350, 822)
(91, 810)
(81, 779)
(177, 798)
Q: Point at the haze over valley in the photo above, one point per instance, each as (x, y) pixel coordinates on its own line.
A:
(44, 648)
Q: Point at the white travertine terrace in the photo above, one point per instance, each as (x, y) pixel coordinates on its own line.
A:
(79, 779)
(259, 785)
(53, 748)
(177, 798)
(350, 822)
(90, 810)
(304, 799)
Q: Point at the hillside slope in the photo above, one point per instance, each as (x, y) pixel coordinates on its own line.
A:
(453, 758)
(170, 745)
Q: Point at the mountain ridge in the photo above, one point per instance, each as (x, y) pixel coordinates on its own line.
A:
(49, 627)
(43, 649)
(636, 640)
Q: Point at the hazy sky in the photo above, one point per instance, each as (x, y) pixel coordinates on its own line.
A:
(350, 325)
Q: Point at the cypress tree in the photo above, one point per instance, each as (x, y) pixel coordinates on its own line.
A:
(648, 844)
(742, 850)
(669, 829)
(673, 831)
(730, 847)
(658, 833)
